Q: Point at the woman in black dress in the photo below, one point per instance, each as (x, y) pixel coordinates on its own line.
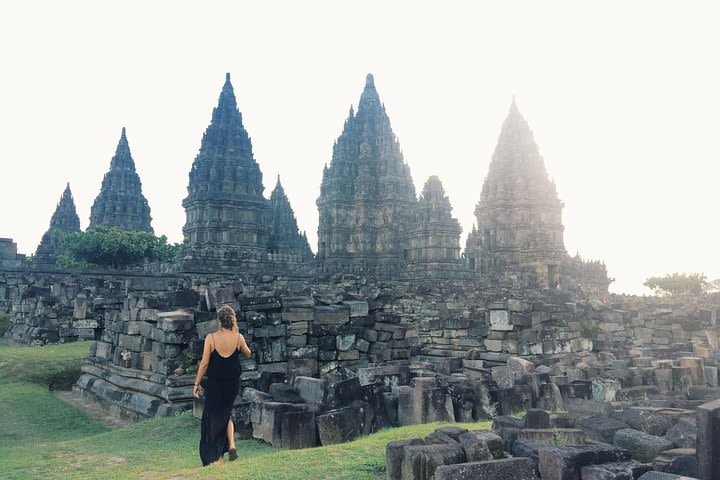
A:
(221, 362)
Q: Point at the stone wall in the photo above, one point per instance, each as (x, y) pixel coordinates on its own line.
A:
(149, 328)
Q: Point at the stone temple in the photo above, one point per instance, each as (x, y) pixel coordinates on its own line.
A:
(64, 220)
(121, 202)
(367, 195)
(519, 235)
(391, 324)
(229, 223)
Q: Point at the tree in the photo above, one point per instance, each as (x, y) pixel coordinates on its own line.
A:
(114, 248)
(678, 284)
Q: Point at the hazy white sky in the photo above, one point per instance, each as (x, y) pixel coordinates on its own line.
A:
(623, 98)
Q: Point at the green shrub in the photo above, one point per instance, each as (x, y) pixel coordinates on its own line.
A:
(103, 247)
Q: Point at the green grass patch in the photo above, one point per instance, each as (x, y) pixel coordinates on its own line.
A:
(56, 366)
(4, 323)
(168, 448)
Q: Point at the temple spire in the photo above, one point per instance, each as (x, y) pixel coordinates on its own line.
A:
(121, 202)
(369, 100)
(64, 220)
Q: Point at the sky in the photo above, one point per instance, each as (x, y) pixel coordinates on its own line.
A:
(623, 99)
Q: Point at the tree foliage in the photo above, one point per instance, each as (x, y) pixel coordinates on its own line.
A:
(115, 248)
(678, 284)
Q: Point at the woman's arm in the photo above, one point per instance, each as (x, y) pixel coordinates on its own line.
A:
(207, 350)
(242, 345)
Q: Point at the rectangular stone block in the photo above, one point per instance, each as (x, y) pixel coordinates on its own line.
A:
(565, 463)
(175, 321)
(500, 320)
(503, 469)
(332, 315)
(421, 461)
(707, 418)
(358, 308)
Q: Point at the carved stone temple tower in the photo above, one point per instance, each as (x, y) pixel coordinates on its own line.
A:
(434, 235)
(226, 212)
(519, 236)
(367, 195)
(64, 220)
(120, 202)
(285, 238)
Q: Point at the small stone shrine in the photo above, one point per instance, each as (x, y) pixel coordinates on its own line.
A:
(284, 237)
(434, 235)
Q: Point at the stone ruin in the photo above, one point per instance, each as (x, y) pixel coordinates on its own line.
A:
(333, 361)
(371, 222)
(390, 324)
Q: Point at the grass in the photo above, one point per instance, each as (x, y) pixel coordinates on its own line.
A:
(4, 323)
(42, 437)
(55, 366)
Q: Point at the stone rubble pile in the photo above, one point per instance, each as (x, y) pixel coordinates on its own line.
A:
(563, 446)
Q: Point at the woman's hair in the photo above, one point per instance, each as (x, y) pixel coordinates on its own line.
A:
(226, 316)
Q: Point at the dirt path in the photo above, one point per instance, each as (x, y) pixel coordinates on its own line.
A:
(92, 409)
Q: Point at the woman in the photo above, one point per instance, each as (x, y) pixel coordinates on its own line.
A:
(221, 362)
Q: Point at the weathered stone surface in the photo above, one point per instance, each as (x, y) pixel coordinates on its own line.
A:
(536, 418)
(683, 434)
(600, 428)
(339, 426)
(565, 463)
(552, 436)
(615, 471)
(298, 430)
(663, 476)
(476, 450)
(394, 454)
(420, 462)
(504, 469)
(311, 390)
(708, 440)
(642, 446)
(646, 420)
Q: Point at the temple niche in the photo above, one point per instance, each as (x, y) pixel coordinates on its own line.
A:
(285, 238)
(121, 202)
(434, 235)
(64, 220)
(226, 213)
(519, 235)
(367, 196)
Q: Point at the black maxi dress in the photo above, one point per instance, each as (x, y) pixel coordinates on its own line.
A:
(221, 387)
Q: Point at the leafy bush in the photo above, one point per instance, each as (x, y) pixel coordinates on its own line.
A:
(678, 284)
(115, 248)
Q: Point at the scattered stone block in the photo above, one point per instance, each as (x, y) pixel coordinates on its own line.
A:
(536, 418)
(642, 446)
(394, 454)
(615, 471)
(339, 426)
(565, 463)
(298, 430)
(420, 462)
(503, 469)
(708, 440)
(600, 428)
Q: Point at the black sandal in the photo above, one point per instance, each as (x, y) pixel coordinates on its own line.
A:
(232, 455)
